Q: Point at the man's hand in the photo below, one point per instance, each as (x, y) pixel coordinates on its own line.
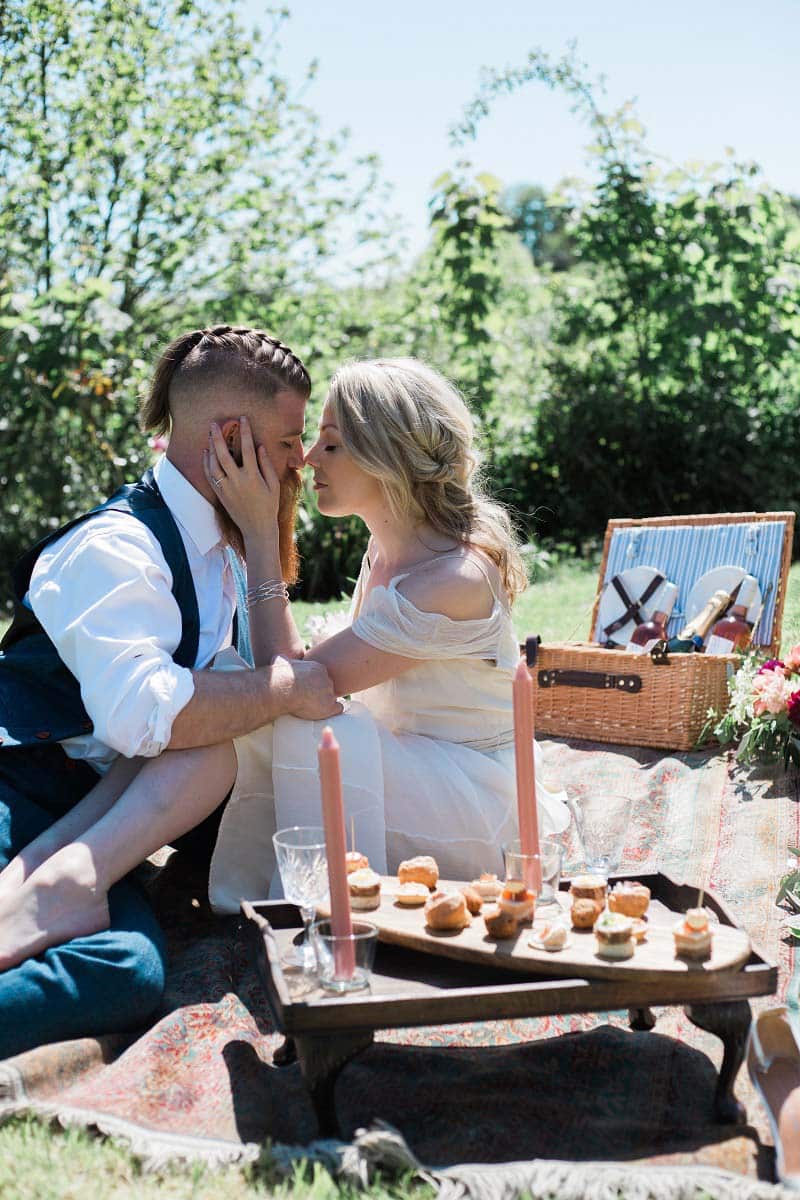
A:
(308, 686)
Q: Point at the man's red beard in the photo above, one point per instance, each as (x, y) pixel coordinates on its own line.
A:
(291, 487)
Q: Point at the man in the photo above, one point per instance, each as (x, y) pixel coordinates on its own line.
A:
(117, 614)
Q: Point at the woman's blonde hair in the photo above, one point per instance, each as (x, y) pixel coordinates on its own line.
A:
(406, 425)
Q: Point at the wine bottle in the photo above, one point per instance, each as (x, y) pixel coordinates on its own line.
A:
(732, 633)
(645, 635)
(691, 638)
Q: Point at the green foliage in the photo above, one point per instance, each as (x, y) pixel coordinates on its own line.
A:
(541, 225)
(156, 172)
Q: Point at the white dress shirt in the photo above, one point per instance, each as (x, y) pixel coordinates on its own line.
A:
(102, 592)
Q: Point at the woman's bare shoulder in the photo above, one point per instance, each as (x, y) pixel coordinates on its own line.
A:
(456, 587)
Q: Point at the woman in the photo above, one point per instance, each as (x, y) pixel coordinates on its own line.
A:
(427, 749)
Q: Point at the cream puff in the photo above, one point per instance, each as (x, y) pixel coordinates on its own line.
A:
(422, 869)
(365, 889)
(585, 913)
(411, 895)
(629, 898)
(446, 911)
(473, 899)
(487, 886)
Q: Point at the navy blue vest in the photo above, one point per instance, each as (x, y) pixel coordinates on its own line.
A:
(40, 699)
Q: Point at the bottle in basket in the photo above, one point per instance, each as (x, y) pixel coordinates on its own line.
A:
(732, 633)
(645, 636)
(691, 638)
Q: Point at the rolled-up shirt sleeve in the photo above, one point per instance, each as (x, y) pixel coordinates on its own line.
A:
(103, 595)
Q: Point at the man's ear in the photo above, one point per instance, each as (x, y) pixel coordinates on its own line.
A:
(233, 439)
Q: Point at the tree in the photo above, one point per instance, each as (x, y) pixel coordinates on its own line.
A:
(540, 224)
(155, 171)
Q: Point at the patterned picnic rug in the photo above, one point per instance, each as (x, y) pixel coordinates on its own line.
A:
(201, 1082)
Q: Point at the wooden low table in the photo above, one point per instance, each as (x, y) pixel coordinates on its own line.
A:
(412, 987)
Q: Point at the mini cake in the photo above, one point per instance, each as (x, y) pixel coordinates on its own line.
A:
(446, 910)
(499, 924)
(629, 898)
(614, 934)
(589, 887)
(355, 861)
(487, 886)
(365, 889)
(412, 895)
(474, 899)
(585, 913)
(639, 930)
(516, 900)
(692, 935)
(422, 869)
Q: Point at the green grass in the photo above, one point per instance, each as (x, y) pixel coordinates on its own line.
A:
(37, 1164)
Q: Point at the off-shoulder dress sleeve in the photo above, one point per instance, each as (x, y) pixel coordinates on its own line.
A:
(390, 622)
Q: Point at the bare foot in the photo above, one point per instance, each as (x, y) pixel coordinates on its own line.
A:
(60, 900)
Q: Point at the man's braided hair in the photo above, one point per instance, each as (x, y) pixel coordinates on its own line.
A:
(252, 354)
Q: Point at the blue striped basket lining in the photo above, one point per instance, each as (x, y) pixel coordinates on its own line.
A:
(685, 552)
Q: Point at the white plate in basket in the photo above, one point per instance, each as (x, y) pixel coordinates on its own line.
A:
(611, 607)
(720, 577)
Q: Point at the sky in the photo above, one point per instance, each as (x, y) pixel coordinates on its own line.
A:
(704, 75)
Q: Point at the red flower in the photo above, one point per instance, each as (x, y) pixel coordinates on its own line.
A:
(793, 707)
(772, 664)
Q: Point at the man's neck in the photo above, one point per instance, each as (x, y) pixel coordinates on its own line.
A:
(188, 462)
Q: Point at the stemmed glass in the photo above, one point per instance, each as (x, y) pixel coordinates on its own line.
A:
(303, 865)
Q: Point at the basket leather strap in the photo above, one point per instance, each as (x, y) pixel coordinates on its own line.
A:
(602, 680)
(632, 610)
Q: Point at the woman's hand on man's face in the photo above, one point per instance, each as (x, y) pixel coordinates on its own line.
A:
(251, 492)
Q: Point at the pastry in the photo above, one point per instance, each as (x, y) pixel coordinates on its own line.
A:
(639, 930)
(614, 934)
(447, 910)
(516, 900)
(589, 887)
(692, 935)
(629, 898)
(411, 895)
(499, 924)
(355, 861)
(550, 935)
(585, 913)
(365, 889)
(487, 886)
(422, 869)
(473, 899)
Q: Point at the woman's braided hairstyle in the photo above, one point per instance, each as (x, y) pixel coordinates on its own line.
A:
(270, 365)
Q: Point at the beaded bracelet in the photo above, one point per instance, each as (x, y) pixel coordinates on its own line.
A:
(270, 589)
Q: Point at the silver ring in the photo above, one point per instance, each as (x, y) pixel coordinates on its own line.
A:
(217, 482)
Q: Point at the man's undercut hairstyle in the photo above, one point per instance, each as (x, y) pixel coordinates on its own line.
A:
(224, 357)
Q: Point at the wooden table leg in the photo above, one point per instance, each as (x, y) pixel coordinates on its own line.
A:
(730, 1022)
(641, 1019)
(322, 1057)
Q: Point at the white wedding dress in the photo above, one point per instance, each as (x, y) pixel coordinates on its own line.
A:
(427, 758)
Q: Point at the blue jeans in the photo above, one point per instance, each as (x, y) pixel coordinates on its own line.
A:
(104, 983)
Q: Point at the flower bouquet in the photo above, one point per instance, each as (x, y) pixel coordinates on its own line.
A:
(763, 714)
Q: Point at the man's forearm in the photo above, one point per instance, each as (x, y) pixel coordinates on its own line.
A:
(228, 704)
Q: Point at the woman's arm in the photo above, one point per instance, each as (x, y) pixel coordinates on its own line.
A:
(454, 589)
(251, 495)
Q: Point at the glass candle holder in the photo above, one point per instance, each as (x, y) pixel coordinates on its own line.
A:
(363, 939)
(522, 866)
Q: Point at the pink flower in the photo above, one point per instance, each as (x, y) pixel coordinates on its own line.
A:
(771, 691)
(772, 664)
(792, 659)
(793, 706)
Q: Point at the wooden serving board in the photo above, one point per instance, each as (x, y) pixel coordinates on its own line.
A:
(653, 957)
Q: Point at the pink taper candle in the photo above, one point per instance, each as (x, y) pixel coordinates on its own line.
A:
(330, 777)
(526, 778)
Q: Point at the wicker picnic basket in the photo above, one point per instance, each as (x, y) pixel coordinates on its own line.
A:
(583, 690)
